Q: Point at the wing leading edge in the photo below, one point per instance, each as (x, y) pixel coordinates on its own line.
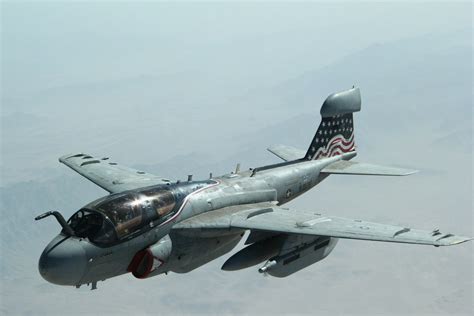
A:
(109, 175)
(268, 217)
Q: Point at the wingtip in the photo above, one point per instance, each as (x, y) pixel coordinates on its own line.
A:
(461, 240)
(455, 240)
(410, 172)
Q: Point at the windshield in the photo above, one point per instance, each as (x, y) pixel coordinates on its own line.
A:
(128, 213)
(92, 225)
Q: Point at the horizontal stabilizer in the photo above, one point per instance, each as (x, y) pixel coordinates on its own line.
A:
(286, 153)
(360, 168)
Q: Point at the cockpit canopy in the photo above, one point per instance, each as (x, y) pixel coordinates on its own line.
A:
(120, 217)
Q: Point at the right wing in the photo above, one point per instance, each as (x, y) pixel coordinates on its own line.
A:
(109, 175)
(269, 217)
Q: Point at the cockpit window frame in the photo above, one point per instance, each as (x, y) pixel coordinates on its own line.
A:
(154, 206)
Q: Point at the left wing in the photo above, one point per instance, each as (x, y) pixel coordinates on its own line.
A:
(109, 175)
(269, 217)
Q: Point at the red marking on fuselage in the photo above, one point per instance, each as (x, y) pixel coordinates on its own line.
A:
(186, 199)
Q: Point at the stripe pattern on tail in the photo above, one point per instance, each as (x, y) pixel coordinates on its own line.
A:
(335, 136)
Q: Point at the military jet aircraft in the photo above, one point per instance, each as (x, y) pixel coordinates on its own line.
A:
(150, 225)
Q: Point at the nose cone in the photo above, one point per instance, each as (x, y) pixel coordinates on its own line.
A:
(63, 261)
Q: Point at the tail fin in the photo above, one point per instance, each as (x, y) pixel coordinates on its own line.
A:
(335, 134)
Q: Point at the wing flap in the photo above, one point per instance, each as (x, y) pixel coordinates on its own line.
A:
(359, 168)
(109, 175)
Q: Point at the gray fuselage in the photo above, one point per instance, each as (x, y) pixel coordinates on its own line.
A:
(73, 260)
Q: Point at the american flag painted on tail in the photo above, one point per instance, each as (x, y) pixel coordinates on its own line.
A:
(335, 136)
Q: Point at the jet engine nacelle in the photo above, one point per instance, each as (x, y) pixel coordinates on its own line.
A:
(145, 262)
(306, 253)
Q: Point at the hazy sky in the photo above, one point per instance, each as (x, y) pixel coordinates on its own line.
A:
(243, 44)
(181, 88)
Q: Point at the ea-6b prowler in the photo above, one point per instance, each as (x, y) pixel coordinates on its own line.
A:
(149, 225)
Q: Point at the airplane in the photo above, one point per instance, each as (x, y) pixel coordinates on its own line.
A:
(149, 225)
